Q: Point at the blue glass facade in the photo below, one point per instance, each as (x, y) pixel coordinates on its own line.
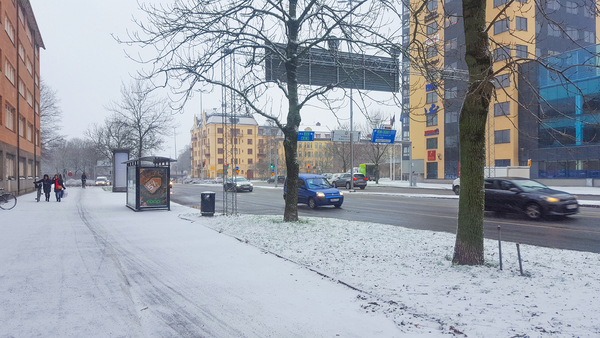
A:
(560, 123)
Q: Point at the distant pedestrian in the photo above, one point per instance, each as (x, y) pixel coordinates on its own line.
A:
(83, 179)
(59, 187)
(46, 185)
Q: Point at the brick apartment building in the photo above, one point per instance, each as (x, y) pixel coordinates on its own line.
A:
(19, 96)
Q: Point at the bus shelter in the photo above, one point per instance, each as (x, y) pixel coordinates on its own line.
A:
(148, 183)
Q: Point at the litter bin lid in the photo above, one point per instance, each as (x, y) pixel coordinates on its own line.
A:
(208, 192)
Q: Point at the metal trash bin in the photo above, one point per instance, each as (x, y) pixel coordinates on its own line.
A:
(207, 203)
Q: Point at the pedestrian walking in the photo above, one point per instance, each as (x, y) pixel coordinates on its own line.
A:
(59, 187)
(83, 179)
(46, 186)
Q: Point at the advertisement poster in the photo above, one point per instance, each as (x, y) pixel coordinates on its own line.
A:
(153, 187)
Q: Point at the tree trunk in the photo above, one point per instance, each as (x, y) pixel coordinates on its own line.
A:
(473, 116)
(290, 142)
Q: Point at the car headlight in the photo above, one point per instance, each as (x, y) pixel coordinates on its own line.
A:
(551, 199)
(238, 185)
(341, 193)
(251, 184)
(320, 195)
(576, 197)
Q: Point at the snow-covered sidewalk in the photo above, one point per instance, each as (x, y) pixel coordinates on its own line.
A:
(91, 267)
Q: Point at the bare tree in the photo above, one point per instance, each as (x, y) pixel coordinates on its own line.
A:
(144, 118)
(50, 118)
(111, 135)
(375, 152)
(194, 39)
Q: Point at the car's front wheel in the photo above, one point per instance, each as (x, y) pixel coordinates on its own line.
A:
(533, 211)
(348, 185)
(312, 203)
(338, 206)
(456, 189)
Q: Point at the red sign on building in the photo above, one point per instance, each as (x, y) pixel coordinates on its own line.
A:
(430, 155)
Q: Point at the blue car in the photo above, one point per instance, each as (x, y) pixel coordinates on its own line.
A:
(316, 191)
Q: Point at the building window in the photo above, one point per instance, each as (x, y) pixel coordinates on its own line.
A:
(250, 161)
(503, 163)
(552, 5)
(451, 93)
(21, 88)
(432, 5)
(571, 7)
(451, 117)
(432, 97)
(451, 141)
(29, 66)
(220, 161)
(572, 33)
(10, 166)
(249, 151)
(29, 132)
(432, 28)
(10, 72)
(249, 131)
(432, 51)
(521, 51)
(501, 53)
(521, 23)
(589, 37)
(501, 26)
(10, 30)
(502, 108)
(502, 136)
(432, 120)
(432, 143)
(220, 141)
(9, 113)
(219, 130)
(29, 98)
(553, 30)
(249, 141)
(37, 108)
(220, 151)
(451, 45)
(499, 3)
(502, 81)
(21, 52)
(22, 127)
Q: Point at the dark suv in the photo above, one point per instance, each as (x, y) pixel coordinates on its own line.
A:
(359, 181)
(527, 196)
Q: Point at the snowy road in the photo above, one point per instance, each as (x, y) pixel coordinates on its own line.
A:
(90, 267)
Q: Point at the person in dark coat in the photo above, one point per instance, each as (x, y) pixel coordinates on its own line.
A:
(83, 179)
(59, 187)
(46, 185)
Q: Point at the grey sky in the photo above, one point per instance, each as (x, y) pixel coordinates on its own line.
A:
(86, 66)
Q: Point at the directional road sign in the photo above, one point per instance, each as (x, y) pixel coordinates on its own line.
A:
(306, 136)
(383, 136)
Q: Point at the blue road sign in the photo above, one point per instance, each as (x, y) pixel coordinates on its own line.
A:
(383, 136)
(306, 136)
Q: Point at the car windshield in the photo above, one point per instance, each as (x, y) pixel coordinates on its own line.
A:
(529, 185)
(241, 179)
(317, 183)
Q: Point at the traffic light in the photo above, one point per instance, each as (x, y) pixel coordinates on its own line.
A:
(203, 164)
(309, 168)
(272, 166)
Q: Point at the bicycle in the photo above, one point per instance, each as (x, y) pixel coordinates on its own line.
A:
(7, 200)
(38, 187)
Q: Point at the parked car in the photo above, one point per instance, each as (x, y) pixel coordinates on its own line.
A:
(271, 179)
(358, 181)
(219, 180)
(102, 180)
(316, 191)
(456, 186)
(237, 184)
(530, 197)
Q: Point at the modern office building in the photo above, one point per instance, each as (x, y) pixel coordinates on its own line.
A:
(19, 96)
(559, 117)
(521, 31)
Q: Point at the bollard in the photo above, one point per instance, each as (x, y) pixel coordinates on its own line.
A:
(500, 247)
(519, 254)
